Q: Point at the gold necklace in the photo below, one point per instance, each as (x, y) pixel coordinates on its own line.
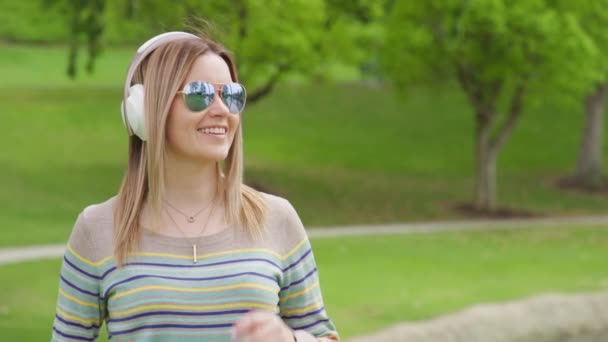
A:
(194, 252)
(189, 218)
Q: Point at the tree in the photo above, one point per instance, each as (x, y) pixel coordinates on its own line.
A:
(271, 39)
(501, 52)
(593, 16)
(84, 17)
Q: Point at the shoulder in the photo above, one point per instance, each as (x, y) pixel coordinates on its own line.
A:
(280, 210)
(276, 204)
(283, 224)
(92, 232)
(99, 214)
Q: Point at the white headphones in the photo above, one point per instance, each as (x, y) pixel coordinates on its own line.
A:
(132, 106)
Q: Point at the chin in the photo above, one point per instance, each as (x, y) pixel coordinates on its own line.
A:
(214, 156)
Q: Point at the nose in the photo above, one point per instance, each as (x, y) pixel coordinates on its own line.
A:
(217, 106)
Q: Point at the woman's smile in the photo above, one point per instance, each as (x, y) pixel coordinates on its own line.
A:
(214, 131)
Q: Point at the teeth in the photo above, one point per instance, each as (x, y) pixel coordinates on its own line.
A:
(213, 130)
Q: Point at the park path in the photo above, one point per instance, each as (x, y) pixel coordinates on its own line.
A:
(39, 252)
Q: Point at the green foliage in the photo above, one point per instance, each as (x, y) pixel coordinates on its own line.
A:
(497, 40)
(353, 32)
(593, 18)
(272, 40)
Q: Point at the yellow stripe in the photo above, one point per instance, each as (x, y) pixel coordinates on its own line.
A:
(76, 318)
(187, 257)
(81, 258)
(87, 261)
(302, 310)
(294, 249)
(194, 290)
(192, 308)
(77, 300)
(301, 292)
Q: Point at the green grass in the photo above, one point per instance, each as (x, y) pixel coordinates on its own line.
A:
(31, 68)
(343, 154)
(371, 282)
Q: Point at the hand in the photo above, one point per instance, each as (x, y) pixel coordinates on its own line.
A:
(261, 326)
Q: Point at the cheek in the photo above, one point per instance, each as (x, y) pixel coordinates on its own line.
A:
(235, 121)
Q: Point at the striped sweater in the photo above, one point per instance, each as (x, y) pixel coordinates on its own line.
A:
(161, 295)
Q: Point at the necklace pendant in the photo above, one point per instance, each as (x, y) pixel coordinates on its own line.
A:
(194, 257)
(191, 219)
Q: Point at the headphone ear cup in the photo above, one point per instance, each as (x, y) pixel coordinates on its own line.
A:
(135, 115)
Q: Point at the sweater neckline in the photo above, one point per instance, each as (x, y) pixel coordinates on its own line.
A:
(224, 235)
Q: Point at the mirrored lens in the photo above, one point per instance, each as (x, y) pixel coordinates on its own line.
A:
(234, 96)
(198, 95)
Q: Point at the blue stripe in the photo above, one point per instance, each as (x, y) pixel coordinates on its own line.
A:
(310, 325)
(74, 324)
(112, 269)
(189, 279)
(81, 270)
(299, 281)
(73, 336)
(163, 326)
(298, 261)
(304, 315)
(96, 295)
(177, 313)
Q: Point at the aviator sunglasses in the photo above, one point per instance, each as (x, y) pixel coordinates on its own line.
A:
(199, 95)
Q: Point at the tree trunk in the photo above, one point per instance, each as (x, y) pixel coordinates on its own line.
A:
(73, 42)
(267, 87)
(487, 147)
(485, 168)
(484, 97)
(589, 166)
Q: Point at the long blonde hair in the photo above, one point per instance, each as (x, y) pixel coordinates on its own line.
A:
(162, 73)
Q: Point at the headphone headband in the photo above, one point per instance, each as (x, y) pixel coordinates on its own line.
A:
(142, 52)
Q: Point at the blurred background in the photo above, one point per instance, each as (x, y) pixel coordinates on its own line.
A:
(360, 112)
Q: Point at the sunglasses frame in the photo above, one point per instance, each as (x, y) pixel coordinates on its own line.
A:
(218, 91)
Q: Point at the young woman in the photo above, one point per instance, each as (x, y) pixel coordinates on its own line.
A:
(185, 251)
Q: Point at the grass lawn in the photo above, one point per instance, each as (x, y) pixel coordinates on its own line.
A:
(342, 154)
(370, 282)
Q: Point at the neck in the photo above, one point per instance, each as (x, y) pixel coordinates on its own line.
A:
(188, 183)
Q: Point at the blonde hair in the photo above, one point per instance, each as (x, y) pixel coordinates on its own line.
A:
(162, 72)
